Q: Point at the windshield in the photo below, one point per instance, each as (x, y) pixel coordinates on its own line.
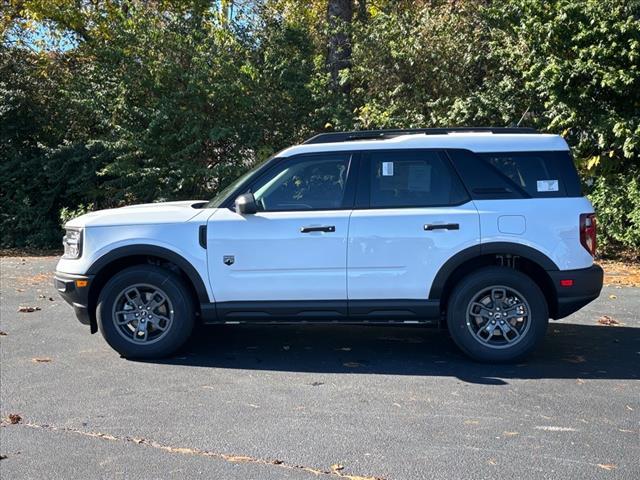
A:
(216, 201)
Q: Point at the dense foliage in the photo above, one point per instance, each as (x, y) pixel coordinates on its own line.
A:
(113, 102)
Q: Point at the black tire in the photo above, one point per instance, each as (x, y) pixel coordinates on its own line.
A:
(180, 300)
(463, 325)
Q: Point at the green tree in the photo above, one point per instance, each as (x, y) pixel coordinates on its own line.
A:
(108, 103)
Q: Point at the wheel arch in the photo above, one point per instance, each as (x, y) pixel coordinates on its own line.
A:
(122, 257)
(523, 258)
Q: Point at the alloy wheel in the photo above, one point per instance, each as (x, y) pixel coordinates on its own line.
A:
(498, 317)
(142, 313)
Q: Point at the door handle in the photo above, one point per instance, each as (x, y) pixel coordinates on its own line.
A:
(442, 226)
(329, 228)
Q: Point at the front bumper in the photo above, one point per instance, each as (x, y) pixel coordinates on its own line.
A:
(70, 289)
(586, 284)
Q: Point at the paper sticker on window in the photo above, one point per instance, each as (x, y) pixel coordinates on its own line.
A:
(419, 178)
(387, 169)
(547, 185)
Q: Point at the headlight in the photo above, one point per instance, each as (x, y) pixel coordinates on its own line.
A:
(72, 242)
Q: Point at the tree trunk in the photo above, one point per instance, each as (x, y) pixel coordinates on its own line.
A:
(363, 14)
(339, 16)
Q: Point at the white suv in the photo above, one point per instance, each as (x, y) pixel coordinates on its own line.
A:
(484, 231)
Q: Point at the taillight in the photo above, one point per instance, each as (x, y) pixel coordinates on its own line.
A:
(588, 232)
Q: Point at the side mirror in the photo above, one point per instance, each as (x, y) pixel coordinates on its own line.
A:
(246, 204)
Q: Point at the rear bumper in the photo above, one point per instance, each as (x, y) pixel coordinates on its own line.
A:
(586, 286)
(74, 295)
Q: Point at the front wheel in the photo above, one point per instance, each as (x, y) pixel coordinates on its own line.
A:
(497, 314)
(145, 312)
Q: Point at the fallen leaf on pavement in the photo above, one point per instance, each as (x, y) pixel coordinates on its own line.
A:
(621, 273)
(613, 297)
(336, 467)
(607, 320)
(23, 309)
(14, 418)
(607, 466)
(316, 384)
(41, 360)
(492, 461)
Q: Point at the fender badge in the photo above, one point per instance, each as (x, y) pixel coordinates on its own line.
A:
(228, 259)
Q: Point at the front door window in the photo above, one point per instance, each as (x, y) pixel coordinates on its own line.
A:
(315, 183)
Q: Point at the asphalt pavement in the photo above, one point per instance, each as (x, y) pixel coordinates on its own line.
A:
(314, 402)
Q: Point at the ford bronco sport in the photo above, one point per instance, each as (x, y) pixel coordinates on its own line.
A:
(483, 231)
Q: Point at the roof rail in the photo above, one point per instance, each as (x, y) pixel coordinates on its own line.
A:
(390, 133)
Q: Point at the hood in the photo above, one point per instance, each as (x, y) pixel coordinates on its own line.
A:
(144, 214)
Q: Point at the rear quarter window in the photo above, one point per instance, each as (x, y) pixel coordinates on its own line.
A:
(534, 172)
(518, 174)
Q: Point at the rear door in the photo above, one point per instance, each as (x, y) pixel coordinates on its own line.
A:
(412, 214)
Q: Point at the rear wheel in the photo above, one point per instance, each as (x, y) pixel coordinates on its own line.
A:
(497, 315)
(145, 312)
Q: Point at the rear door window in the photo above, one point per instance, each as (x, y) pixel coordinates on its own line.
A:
(415, 178)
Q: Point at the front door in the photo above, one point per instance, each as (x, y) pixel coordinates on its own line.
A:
(289, 259)
(412, 214)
